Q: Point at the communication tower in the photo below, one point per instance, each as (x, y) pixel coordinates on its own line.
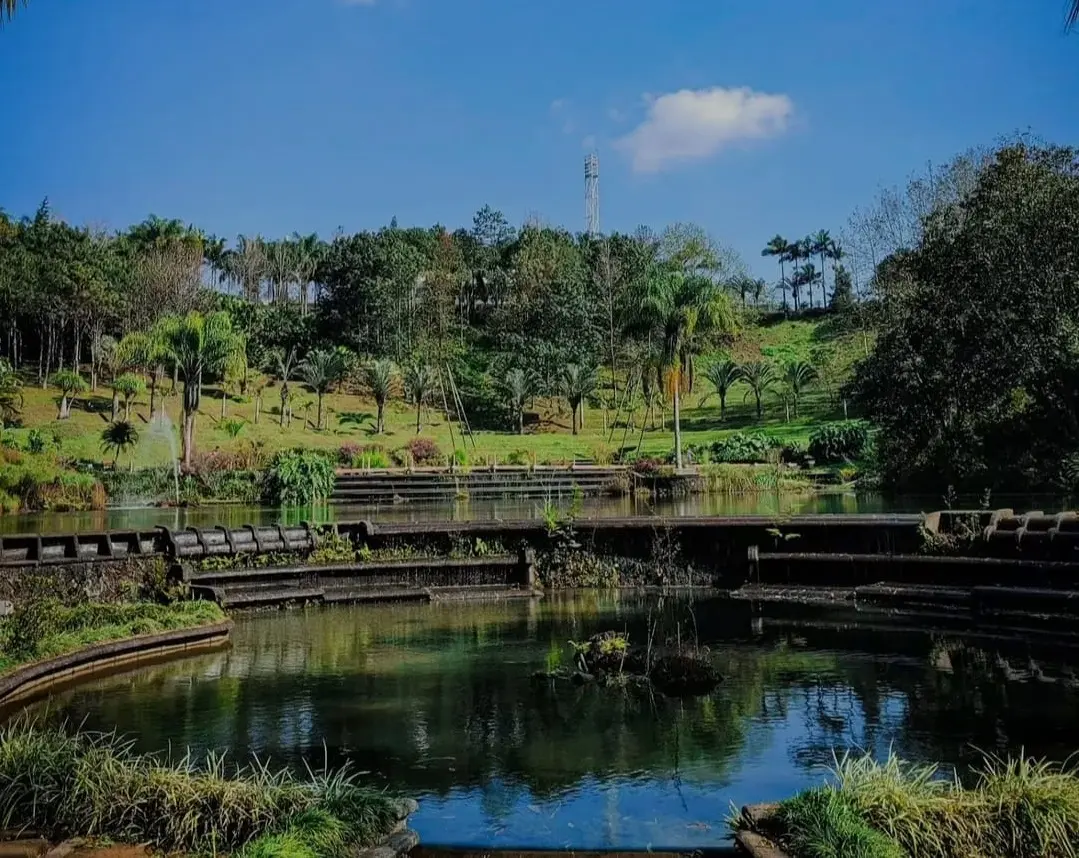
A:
(591, 193)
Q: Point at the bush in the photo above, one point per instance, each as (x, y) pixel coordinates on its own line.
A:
(422, 452)
(795, 454)
(460, 458)
(347, 453)
(42, 482)
(300, 477)
(743, 448)
(842, 441)
(519, 457)
(647, 467)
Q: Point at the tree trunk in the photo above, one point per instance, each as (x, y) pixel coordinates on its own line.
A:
(380, 420)
(722, 406)
(188, 440)
(223, 397)
(319, 419)
(758, 397)
(284, 403)
(573, 417)
(677, 426)
(258, 407)
(127, 410)
(64, 407)
(520, 421)
(153, 391)
(115, 404)
(419, 415)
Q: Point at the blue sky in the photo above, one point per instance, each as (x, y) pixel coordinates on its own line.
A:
(746, 116)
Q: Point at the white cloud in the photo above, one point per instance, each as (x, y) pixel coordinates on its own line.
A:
(691, 125)
(558, 105)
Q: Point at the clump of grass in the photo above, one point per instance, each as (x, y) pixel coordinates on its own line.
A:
(42, 628)
(77, 784)
(1018, 807)
(822, 823)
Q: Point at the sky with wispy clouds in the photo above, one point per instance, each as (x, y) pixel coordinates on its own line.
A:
(746, 116)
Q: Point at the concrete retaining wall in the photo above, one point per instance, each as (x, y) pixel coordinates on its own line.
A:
(32, 680)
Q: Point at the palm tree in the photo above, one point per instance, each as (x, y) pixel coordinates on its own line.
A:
(723, 375)
(677, 309)
(807, 275)
(146, 351)
(759, 376)
(794, 255)
(127, 386)
(517, 387)
(837, 254)
(118, 437)
(797, 376)
(420, 381)
(578, 382)
(71, 384)
(821, 245)
(284, 365)
(197, 343)
(379, 377)
(11, 399)
(778, 248)
(321, 369)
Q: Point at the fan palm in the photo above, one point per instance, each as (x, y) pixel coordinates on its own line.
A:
(517, 387)
(196, 344)
(578, 381)
(420, 382)
(11, 399)
(723, 375)
(759, 376)
(379, 377)
(677, 309)
(118, 437)
(797, 376)
(320, 370)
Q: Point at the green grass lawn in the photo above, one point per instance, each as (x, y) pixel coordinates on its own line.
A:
(350, 418)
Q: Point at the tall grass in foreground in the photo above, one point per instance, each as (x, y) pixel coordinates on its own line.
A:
(1020, 808)
(76, 784)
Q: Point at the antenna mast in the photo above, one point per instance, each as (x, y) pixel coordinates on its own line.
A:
(591, 193)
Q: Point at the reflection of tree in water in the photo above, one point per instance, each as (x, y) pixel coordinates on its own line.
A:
(432, 698)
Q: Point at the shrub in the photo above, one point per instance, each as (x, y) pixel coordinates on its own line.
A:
(347, 453)
(742, 448)
(353, 455)
(647, 467)
(422, 452)
(795, 454)
(460, 458)
(300, 477)
(38, 441)
(520, 457)
(842, 441)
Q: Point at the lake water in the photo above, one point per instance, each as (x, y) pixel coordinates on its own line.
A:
(237, 515)
(437, 701)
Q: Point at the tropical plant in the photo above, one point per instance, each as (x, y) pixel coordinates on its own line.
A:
(723, 375)
(300, 477)
(797, 376)
(146, 351)
(71, 384)
(379, 377)
(677, 309)
(119, 437)
(517, 387)
(420, 382)
(321, 369)
(232, 426)
(196, 344)
(841, 441)
(577, 383)
(127, 386)
(759, 376)
(777, 247)
(11, 398)
(821, 245)
(284, 365)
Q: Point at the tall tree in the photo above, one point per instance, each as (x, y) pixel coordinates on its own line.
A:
(675, 308)
(197, 344)
(379, 377)
(420, 382)
(778, 248)
(284, 363)
(759, 377)
(821, 245)
(517, 386)
(577, 384)
(723, 374)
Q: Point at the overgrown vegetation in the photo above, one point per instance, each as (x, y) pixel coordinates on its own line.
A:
(44, 627)
(71, 784)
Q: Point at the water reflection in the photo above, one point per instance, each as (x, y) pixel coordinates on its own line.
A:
(437, 701)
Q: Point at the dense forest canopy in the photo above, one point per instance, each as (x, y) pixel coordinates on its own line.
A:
(962, 286)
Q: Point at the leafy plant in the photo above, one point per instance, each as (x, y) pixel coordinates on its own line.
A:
(577, 383)
(232, 426)
(127, 387)
(11, 397)
(841, 441)
(300, 478)
(420, 382)
(321, 369)
(723, 375)
(379, 377)
(422, 452)
(71, 384)
(759, 376)
(742, 448)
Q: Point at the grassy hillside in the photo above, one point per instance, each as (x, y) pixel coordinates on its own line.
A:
(350, 417)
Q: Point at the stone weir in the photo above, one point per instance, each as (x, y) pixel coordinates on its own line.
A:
(981, 562)
(356, 486)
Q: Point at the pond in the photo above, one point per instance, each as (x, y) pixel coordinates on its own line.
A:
(437, 701)
(237, 515)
